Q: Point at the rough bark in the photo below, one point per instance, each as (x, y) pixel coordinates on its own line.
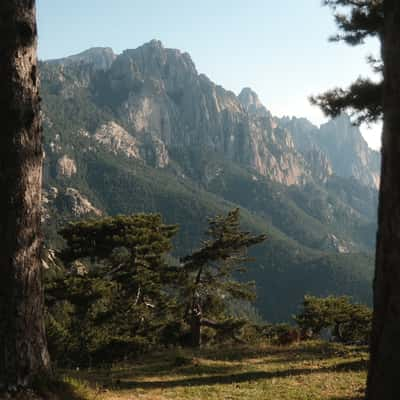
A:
(384, 373)
(195, 325)
(23, 350)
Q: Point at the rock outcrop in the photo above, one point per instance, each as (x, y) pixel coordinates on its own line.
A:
(66, 167)
(341, 143)
(160, 102)
(332, 242)
(117, 140)
(349, 152)
(252, 104)
(320, 166)
(79, 204)
(161, 96)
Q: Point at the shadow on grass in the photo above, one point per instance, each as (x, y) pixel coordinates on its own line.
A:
(50, 391)
(354, 366)
(148, 371)
(235, 378)
(60, 390)
(299, 359)
(304, 351)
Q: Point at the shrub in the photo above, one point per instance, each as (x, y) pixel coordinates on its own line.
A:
(348, 322)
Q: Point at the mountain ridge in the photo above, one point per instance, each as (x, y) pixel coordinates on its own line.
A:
(151, 134)
(169, 73)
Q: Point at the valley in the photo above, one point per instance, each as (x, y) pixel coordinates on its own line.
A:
(143, 131)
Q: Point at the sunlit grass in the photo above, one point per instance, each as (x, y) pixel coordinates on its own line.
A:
(303, 372)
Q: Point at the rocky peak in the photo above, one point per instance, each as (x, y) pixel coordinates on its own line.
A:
(349, 152)
(251, 103)
(344, 127)
(343, 146)
(302, 130)
(153, 59)
(249, 98)
(100, 57)
(340, 132)
(162, 102)
(154, 43)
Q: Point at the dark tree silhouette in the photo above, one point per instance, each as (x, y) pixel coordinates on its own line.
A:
(356, 20)
(380, 18)
(23, 350)
(210, 271)
(384, 373)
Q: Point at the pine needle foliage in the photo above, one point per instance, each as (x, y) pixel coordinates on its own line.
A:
(356, 20)
(347, 321)
(117, 305)
(211, 273)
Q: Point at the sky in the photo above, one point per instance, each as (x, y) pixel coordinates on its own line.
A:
(278, 48)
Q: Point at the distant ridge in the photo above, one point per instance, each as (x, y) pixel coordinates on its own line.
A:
(101, 57)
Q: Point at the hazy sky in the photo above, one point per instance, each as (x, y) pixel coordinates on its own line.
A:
(278, 48)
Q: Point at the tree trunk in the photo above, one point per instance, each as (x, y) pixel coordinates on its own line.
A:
(23, 350)
(195, 328)
(384, 372)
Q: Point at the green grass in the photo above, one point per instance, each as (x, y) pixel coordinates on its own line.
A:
(308, 371)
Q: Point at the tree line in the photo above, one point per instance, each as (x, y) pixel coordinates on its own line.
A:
(115, 291)
(117, 288)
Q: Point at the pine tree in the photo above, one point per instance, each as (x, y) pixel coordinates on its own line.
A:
(210, 280)
(127, 276)
(23, 350)
(379, 18)
(133, 248)
(363, 99)
(348, 322)
(384, 372)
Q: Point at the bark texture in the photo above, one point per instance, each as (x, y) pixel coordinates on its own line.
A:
(195, 325)
(23, 350)
(384, 373)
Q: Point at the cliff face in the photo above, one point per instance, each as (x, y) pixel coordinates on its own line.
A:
(100, 58)
(349, 152)
(158, 94)
(342, 144)
(143, 131)
(162, 102)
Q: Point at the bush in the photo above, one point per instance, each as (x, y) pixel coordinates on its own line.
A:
(348, 322)
(281, 334)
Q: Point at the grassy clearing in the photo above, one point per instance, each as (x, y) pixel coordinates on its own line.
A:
(305, 371)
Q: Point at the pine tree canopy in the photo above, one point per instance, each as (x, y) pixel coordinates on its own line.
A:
(211, 269)
(132, 250)
(356, 20)
(120, 292)
(364, 19)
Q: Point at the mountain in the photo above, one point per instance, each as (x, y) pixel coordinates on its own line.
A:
(342, 143)
(144, 131)
(101, 58)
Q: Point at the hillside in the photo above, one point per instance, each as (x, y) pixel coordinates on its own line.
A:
(143, 131)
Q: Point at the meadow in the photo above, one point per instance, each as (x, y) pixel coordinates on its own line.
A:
(303, 371)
